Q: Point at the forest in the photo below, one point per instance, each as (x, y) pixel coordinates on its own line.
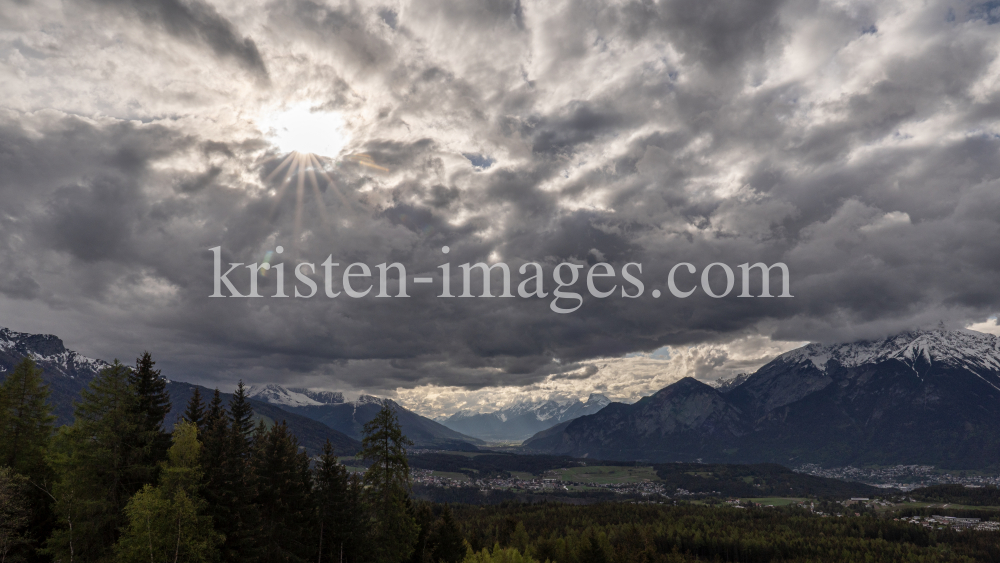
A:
(114, 486)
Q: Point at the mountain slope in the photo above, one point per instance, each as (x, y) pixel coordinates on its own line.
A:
(927, 397)
(350, 417)
(522, 420)
(310, 433)
(64, 371)
(67, 373)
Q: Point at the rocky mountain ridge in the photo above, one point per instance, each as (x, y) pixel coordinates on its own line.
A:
(925, 397)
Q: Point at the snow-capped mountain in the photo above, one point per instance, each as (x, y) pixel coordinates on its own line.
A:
(919, 350)
(65, 371)
(293, 396)
(921, 397)
(349, 417)
(48, 350)
(726, 384)
(524, 418)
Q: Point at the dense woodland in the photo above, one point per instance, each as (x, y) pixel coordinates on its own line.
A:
(114, 486)
(988, 495)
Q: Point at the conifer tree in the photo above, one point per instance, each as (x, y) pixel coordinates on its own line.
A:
(241, 416)
(357, 524)
(229, 478)
(447, 541)
(15, 515)
(151, 408)
(25, 419)
(340, 536)
(424, 517)
(94, 461)
(216, 412)
(25, 431)
(387, 484)
(195, 411)
(284, 484)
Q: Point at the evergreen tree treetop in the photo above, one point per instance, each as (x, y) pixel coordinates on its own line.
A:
(195, 411)
(384, 445)
(25, 419)
(387, 484)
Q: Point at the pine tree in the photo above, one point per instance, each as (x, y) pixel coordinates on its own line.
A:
(387, 483)
(448, 543)
(195, 411)
(592, 551)
(15, 515)
(168, 522)
(94, 461)
(216, 412)
(229, 479)
(25, 431)
(284, 485)
(241, 416)
(424, 517)
(25, 419)
(151, 408)
(357, 524)
(339, 536)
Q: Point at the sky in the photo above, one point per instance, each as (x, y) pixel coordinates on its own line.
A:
(855, 142)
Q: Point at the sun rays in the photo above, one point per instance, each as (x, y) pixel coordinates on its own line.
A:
(312, 141)
(301, 169)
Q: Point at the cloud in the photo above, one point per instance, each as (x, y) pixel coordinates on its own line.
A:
(857, 143)
(193, 21)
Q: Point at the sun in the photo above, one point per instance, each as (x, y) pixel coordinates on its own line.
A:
(300, 129)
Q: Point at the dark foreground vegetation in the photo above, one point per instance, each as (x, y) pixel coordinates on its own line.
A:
(115, 487)
(959, 494)
(654, 533)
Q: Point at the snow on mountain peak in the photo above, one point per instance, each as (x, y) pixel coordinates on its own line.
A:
(597, 400)
(959, 348)
(50, 351)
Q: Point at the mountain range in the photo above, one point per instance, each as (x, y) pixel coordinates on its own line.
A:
(349, 417)
(67, 373)
(922, 397)
(523, 419)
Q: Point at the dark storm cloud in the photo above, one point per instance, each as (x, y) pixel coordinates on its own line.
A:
(195, 21)
(858, 144)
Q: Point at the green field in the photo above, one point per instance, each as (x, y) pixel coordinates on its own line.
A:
(774, 501)
(606, 474)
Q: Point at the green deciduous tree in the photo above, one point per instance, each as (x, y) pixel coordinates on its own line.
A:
(387, 483)
(168, 522)
(95, 460)
(499, 555)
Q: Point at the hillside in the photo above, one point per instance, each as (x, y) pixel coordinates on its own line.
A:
(924, 397)
(67, 372)
(349, 417)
